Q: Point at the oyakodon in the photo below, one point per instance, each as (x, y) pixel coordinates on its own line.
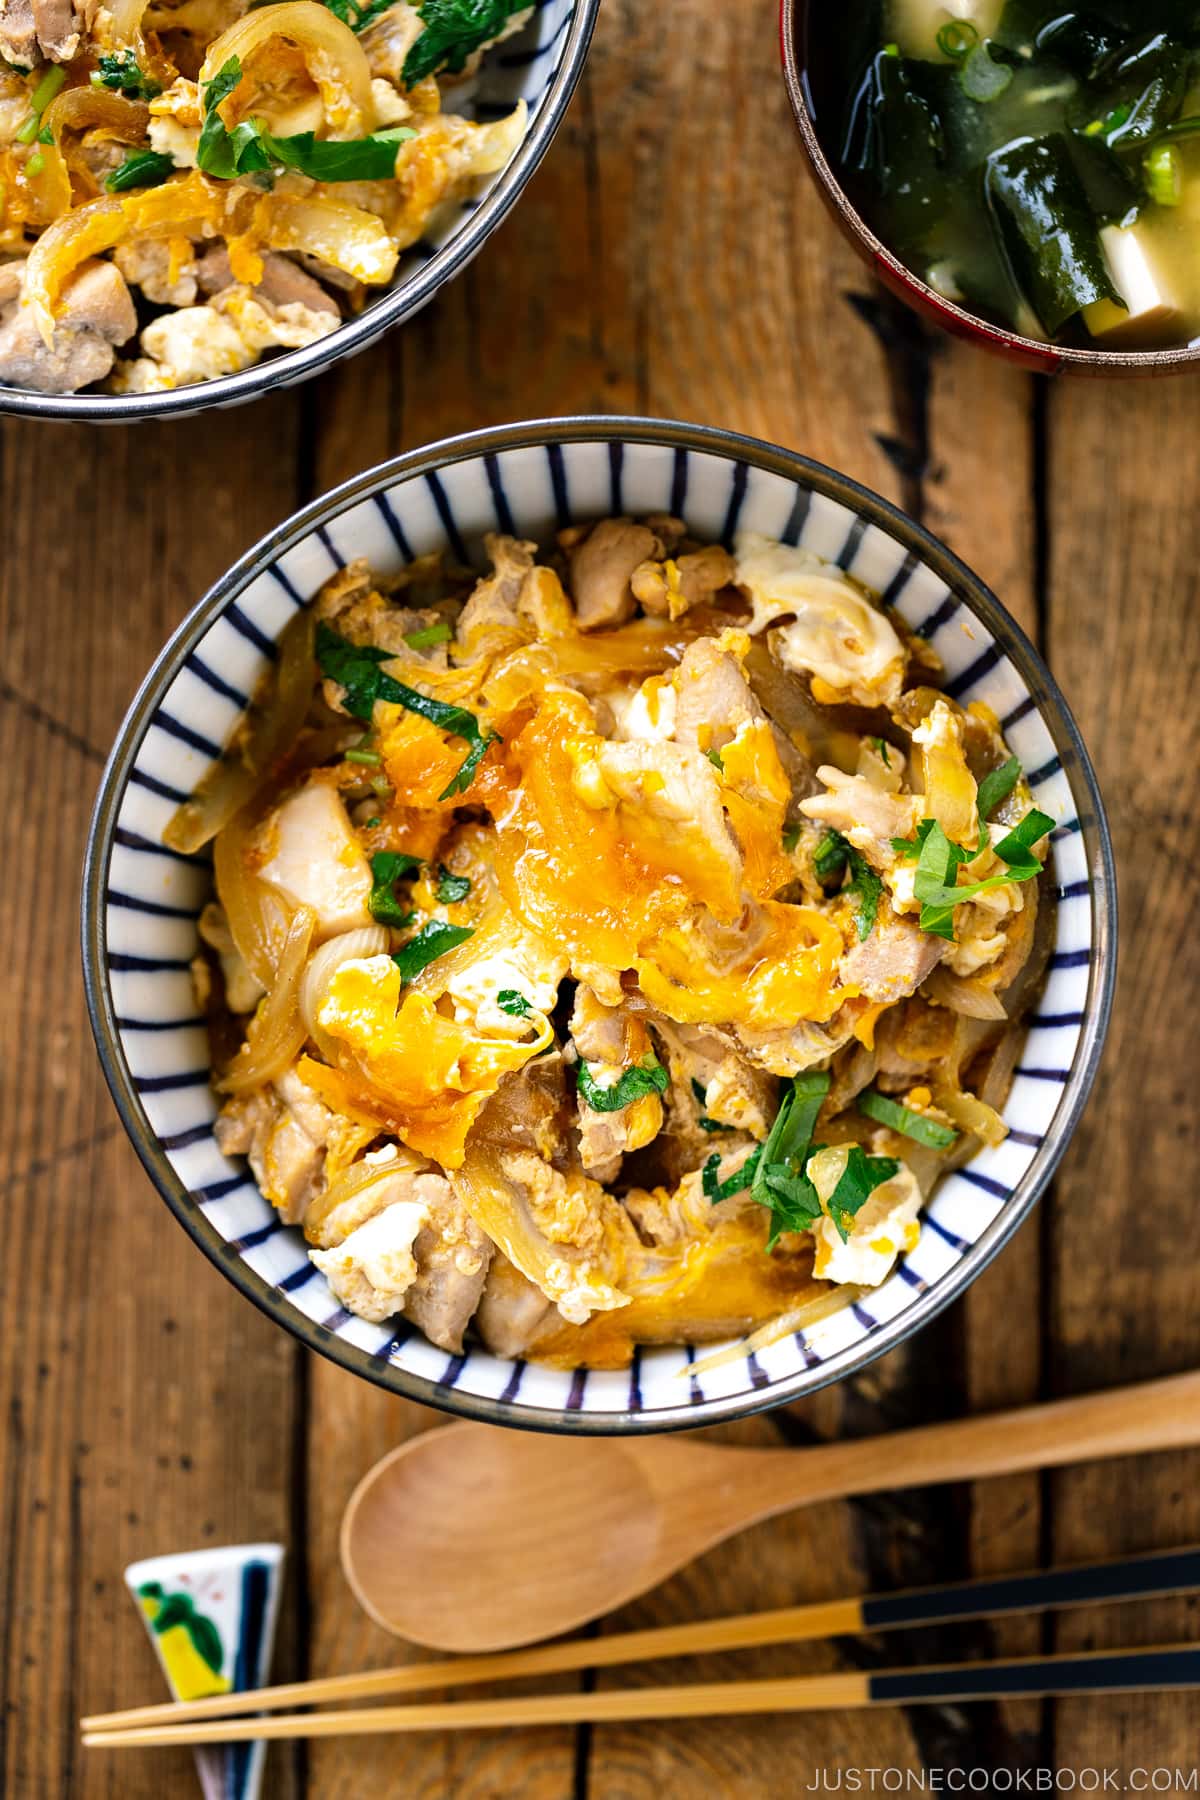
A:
(613, 949)
(189, 185)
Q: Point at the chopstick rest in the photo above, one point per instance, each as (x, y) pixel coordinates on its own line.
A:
(211, 1618)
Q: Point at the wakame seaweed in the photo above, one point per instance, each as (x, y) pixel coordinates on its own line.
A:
(1015, 159)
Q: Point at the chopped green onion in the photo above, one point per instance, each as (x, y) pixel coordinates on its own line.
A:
(646, 1077)
(36, 163)
(371, 758)
(428, 635)
(50, 84)
(1163, 173)
(957, 38)
(433, 940)
(903, 1119)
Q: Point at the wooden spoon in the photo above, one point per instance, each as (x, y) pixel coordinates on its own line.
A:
(473, 1539)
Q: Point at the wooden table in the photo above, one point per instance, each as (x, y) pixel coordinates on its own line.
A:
(673, 258)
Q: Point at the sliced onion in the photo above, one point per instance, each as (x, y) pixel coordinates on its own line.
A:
(332, 54)
(180, 208)
(973, 1116)
(276, 1033)
(354, 1183)
(125, 25)
(273, 729)
(85, 108)
(258, 913)
(972, 998)
(344, 236)
(798, 1318)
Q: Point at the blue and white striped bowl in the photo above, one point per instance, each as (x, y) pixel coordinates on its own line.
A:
(141, 901)
(540, 65)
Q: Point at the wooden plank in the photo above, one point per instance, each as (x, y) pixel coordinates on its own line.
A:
(1124, 1276)
(148, 1407)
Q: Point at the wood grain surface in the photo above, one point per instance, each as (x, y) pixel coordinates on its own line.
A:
(670, 257)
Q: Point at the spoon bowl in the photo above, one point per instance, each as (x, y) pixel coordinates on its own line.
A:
(476, 1539)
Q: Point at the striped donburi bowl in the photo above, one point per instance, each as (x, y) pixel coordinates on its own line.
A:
(141, 901)
(540, 65)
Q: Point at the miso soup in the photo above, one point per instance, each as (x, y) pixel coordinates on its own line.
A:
(1037, 164)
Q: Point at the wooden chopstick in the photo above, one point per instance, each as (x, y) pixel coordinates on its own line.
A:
(1096, 1671)
(1136, 1577)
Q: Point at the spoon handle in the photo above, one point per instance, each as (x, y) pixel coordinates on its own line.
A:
(1150, 1415)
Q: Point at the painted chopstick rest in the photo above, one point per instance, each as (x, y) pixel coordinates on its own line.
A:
(211, 1617)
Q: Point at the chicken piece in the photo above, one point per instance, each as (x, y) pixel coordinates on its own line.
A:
(669, 589)
(866, 816)
(18, 33)
(602, 561)
(96, 314)
(512, 1312)
(283, 283)
(715, 698)
(788, 1050)
(228, 333)
(242, 990)
(452, 1257)
(531, 1110)
(150, 264)
(372, 1270)
(574, 1233)
(735, 1092)
(311, 852)
(58, 29)
(491, 609)
(893, 960)
(852, 1070)
(351, 602)
(283, 1131)
(611, 1039)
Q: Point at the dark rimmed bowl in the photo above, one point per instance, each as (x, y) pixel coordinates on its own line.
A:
(541, 65)
(1026, 352)
(141, 901)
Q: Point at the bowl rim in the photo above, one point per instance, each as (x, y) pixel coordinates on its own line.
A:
(1045, 356)
(394, 307)
(472, 446)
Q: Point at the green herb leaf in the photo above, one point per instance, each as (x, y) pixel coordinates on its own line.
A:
(143, 168)
(433, 940)
(834, 855)
(120, 72)
(861, 1176)
(451, 888)
(741, 1178)
(512, 1001)
(930, 1132)
(387, 868)
(355, 667)
(428, 636)
(355, 16)
(714, 757)
(707, 1124)
(454, 30)
(779, 1181)
(883, 751)
(935, 884)
(995, 787)
(250, 148)
(646, 1077)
